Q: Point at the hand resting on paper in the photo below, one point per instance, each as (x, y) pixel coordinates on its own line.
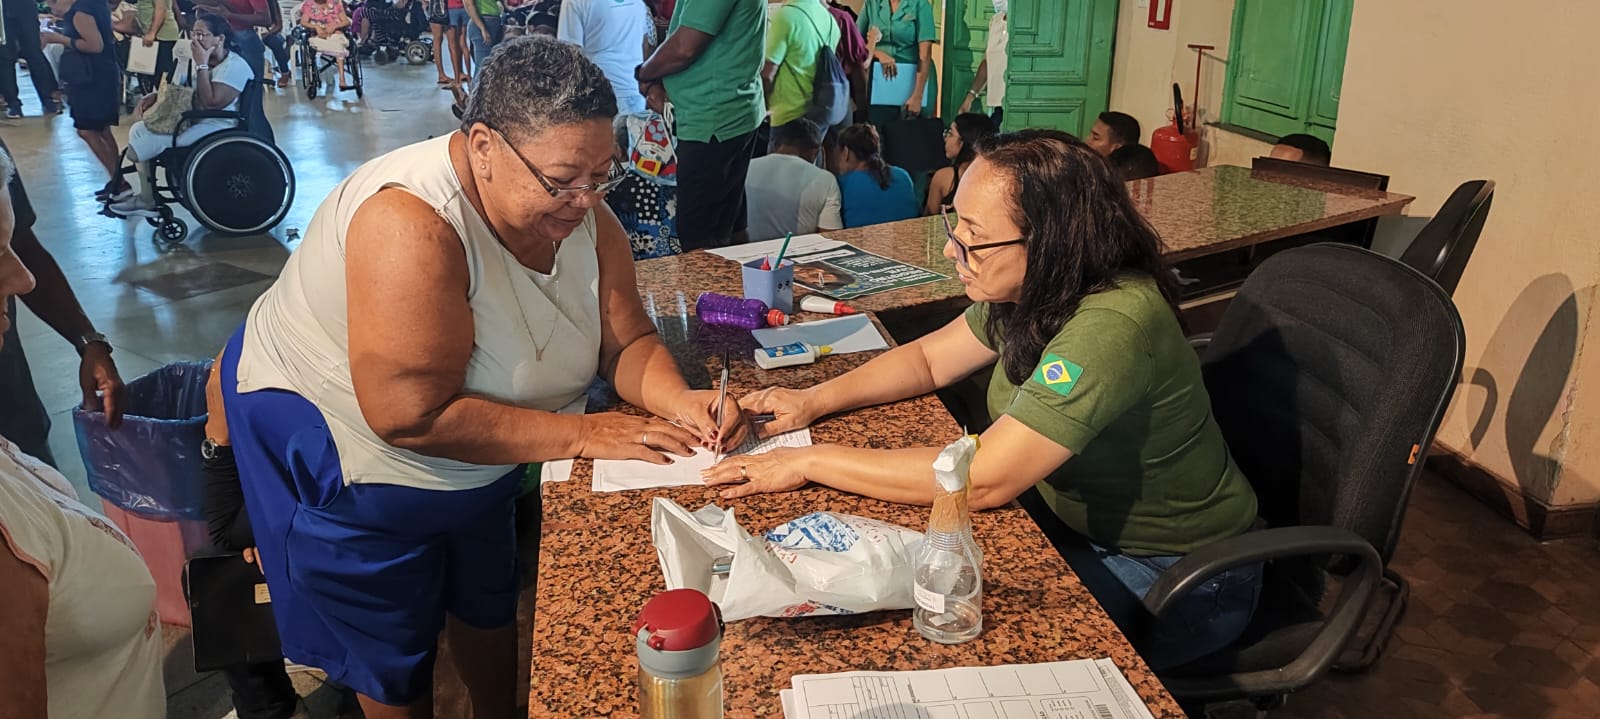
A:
(697, 412)
(775, 471)
(613, 435)
(792, 409)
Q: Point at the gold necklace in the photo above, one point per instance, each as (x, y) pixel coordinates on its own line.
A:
(555, 322)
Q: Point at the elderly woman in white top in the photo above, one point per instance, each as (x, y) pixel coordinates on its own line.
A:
(435, 330)
(77, 605)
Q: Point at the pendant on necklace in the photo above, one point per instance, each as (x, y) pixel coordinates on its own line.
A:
(538, 354)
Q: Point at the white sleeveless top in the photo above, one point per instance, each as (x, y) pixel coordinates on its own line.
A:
(101, 634)
(296, 337)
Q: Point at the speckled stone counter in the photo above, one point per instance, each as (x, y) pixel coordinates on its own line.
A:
(597, 565)
(1221, 208)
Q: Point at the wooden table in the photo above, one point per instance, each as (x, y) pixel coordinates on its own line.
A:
(597, 566)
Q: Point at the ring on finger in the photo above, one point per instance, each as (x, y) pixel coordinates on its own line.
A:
(644, 438)
(743, 473)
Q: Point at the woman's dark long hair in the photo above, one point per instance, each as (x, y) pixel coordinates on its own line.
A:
(218, 25)
(1082, 231)
(972, 127)
(862, 141)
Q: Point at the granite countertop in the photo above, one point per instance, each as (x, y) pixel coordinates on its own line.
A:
(597, 565)
(1220, 208)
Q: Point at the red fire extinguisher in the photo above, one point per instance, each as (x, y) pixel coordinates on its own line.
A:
(1174, 148)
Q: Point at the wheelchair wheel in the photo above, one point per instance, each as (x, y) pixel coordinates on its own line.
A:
(352, 65)
(310, 79)
(237, 184)
(418, 53)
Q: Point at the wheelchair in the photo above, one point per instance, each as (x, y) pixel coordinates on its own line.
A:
(234, 181)
(396, 32)
(313, 64)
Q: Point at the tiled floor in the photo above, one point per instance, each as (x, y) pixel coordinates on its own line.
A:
(1499, 625)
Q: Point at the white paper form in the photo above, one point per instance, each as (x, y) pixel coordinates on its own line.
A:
(851, 333)
(618, 475)
(1082, 689)
(799, 245)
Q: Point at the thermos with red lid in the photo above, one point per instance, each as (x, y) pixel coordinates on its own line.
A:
(678, 636)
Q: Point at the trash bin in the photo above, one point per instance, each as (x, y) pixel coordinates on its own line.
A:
(148, 473)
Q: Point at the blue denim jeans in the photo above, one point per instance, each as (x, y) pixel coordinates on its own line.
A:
(482, 46)
(1210, 617)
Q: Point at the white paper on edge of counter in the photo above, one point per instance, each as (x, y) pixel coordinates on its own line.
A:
(799, 245)
(560, 470)
(618, 475)
(851, 333)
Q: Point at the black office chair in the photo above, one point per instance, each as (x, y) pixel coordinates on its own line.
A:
(1444, 245)
(1328, 374)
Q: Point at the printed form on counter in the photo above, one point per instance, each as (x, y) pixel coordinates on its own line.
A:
(1081, 689)
(619, 475)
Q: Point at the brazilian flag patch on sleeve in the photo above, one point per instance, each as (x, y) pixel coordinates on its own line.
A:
(1057, 375)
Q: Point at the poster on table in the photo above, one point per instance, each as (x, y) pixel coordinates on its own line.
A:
(847, 272)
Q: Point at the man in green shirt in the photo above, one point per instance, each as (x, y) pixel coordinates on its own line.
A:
(800, 29)
(709, 70)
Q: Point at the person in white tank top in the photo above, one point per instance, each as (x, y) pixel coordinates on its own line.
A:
(448, 302)
(77, 606)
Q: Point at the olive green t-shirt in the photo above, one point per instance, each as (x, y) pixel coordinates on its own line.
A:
(719, 96)
(798, 31)
(1120, 387)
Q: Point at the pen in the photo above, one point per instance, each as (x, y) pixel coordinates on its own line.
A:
(722, 399)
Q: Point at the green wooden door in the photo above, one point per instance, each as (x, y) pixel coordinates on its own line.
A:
(1273, 43)
(1059, 73)
(1324, 110)
(966, 32)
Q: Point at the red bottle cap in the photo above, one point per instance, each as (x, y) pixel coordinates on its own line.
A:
(776, 318)
(678, 620)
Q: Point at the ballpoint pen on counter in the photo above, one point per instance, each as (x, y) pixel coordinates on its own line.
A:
(722, 399)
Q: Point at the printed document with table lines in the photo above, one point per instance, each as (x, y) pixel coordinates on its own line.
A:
(1082, 689)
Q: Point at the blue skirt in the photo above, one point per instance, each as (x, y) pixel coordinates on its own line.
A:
(362, 575)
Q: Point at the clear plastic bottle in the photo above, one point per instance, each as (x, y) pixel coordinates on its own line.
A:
(716, 309)
(949, 568)
(678, 636)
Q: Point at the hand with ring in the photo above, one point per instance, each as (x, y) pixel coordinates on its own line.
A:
(613, 435)
(781, 470)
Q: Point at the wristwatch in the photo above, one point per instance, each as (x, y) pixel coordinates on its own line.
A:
(208, 449)
(90, 338)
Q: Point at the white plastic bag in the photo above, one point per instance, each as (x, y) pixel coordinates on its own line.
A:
(822, 563)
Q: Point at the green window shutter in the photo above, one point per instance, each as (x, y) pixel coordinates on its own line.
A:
(1274, 44)
(1059, 72)
(966, 38)
(1329, 68)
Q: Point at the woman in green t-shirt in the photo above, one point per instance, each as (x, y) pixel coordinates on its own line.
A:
(1096, 396)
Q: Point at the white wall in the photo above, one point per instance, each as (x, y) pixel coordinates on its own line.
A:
(1148, 61)
(1436, 94)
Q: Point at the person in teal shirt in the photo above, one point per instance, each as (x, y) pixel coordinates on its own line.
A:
(709, 70)
(1101, 419)
(901, 31)
(871, 190)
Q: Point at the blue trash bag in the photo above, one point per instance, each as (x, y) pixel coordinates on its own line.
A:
(150, 465)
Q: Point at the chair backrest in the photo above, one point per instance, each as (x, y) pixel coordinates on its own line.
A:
(1274, 169)
(1444, 245)
(1329, 374)
(250, 106)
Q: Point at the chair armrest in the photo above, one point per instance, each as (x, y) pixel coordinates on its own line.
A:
(1199, 342)
(1280, 543)
(212, 115)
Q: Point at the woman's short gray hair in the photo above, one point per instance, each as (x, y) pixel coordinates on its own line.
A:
(532, 83)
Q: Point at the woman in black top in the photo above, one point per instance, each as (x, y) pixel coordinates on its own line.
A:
(960, 141)
(92, 78)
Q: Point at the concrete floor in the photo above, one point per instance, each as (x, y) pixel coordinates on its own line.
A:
(160, 306)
